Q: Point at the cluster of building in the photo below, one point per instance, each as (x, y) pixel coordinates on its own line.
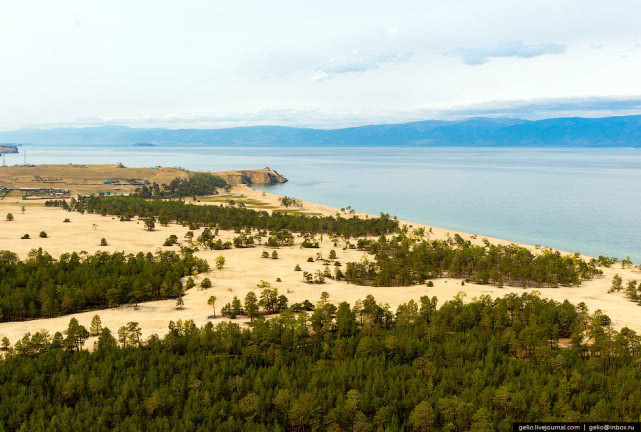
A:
(126, 182)
(37, 177)
(44, 193)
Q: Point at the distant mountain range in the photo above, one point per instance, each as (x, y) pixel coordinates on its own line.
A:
(622, 131)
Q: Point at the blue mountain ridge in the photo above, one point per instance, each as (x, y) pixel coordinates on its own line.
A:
(619, 131)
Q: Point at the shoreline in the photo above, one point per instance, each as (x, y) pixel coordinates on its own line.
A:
(245, 268)
(437, 232)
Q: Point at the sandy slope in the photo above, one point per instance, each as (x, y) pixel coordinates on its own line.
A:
(245, 268)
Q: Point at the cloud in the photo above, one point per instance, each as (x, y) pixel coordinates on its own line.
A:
(357, 63)
(536, 109)
(320, 75)
(478, 56)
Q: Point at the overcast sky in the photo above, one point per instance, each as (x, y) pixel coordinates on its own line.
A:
(322, 64)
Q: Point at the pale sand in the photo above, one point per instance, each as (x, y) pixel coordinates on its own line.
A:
(244, 269)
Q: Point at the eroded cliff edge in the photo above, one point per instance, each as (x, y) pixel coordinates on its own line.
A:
(259, 176)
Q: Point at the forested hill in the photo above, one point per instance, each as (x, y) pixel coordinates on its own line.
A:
(621, 131)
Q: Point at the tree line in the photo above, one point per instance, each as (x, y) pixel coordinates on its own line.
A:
(475, 366)
(42, 286)
(231, 218)
(197, 184)
(405, 260)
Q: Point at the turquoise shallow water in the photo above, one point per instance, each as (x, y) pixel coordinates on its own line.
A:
(585, 200)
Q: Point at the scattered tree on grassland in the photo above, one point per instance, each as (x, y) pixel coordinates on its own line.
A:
(617, 284)
(220, 262)
(286, 201)
(96, 326)
(171, 240)
(251, 305)
(150, 223)
(212, 302)
(190, 283)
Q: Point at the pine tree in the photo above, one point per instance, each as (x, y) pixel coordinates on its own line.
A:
(617, 284)
(251, 305)
(96, 326)
(422, 417)
(212, 302)
(631, 291)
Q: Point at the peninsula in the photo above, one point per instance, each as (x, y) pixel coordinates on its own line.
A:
(245, 263)
(115, 178)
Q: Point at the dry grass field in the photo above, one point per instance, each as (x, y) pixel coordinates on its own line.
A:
(82, 178)
(85, 179)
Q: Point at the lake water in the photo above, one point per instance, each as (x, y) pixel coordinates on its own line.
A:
(583, 200)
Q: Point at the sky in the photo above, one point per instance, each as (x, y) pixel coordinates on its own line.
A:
(315, 64)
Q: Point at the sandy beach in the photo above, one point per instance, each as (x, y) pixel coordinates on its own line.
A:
(245, 268)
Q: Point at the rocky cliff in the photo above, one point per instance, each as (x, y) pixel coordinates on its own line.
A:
(259, 176)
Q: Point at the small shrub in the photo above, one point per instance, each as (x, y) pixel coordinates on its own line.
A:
(25, 237)
(67, 220)
(279, 280)
(206, 283)
(43, 234)
(9, 217)
(274, 255)
(297, 268)
(171, 240)
(103, 242)
(430, 283)
(310, 259)
(265, 254)
(220, 262)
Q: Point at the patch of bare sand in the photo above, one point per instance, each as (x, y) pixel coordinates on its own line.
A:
(245, 268)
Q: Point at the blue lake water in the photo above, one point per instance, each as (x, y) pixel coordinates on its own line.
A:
(583, 200)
